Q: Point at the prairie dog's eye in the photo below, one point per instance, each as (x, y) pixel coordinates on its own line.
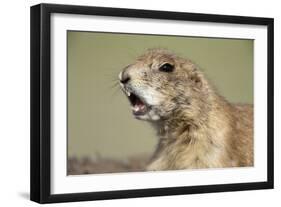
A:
(167, 67)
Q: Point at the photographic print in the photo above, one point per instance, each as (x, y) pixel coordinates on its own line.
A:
(133, 103)
(140, 102)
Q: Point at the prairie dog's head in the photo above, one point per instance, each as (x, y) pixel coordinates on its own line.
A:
(159, 83)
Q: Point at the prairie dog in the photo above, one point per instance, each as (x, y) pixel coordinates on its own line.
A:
(196, 127)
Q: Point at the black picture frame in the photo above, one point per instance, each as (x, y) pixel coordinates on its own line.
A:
(40, 184)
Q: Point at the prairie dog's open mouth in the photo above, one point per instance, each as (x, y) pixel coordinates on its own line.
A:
(139, 107)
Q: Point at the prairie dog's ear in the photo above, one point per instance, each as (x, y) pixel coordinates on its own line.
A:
(196, 78)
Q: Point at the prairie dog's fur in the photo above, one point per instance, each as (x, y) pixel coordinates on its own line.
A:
(197, 128)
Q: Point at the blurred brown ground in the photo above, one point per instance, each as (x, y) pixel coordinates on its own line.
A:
(86, 165)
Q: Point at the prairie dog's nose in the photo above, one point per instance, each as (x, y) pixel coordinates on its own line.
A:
(124, 77)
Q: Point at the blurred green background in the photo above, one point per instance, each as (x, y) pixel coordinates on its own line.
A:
(100, 123)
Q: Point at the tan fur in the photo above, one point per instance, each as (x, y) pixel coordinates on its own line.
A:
(197, 128)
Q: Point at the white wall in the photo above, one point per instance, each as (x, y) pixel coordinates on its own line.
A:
(14, 104)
